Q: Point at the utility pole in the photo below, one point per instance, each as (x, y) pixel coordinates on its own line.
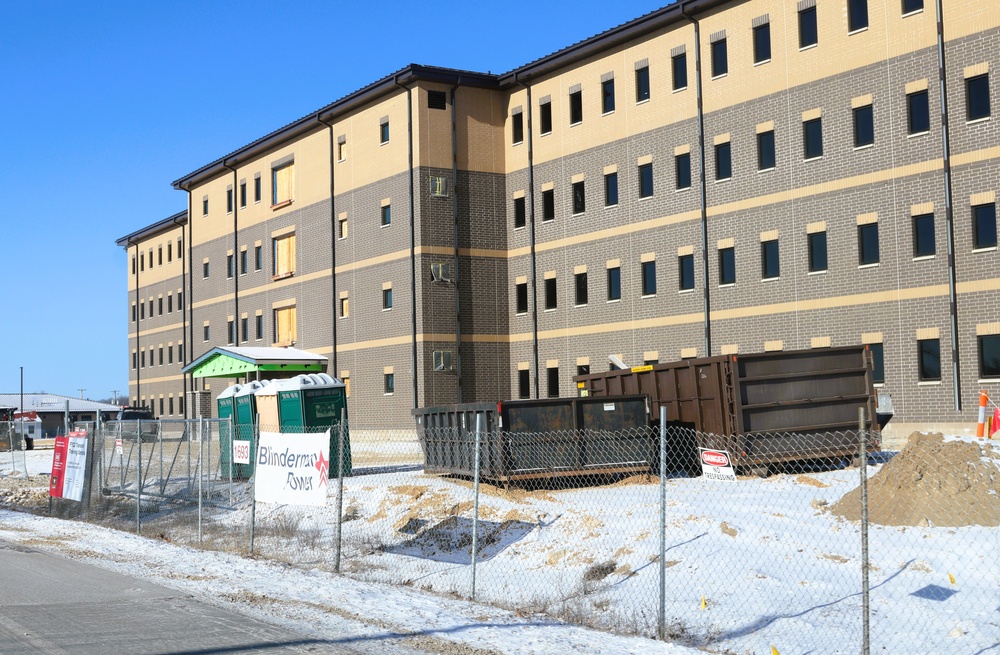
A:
(115, 392)
(81, 392)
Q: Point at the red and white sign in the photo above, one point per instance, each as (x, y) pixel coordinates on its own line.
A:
(69, 465)
(716, 465)
(292, 469)
(241, 451)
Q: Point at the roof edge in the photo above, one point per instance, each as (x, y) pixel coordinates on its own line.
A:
(180, 218)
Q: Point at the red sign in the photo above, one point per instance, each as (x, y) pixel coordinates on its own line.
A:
(58, 466)
(715, 458)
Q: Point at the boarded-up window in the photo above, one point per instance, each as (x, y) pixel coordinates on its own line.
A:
(284, 326)
(281, 183)
(283, 256)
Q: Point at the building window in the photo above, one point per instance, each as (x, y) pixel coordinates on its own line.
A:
(230, 266)
(857, 15)
(727, 266)
(984, 226)
(258, 327)
(204, 206)
(387, 298)
(551, 300)
(762, 43)
(678, 66)
(720, 61)
(545, 117)
(170, 303)
(649, 278)
(817, 252)
(342, 228)
(180, 300)
(170, 403)
(142, 359)
(388, 383)
(548, 205)
(868, 244)
(159, 306)
(170, 354)
(579, 198)
(437, 100)
(283, 256)
(383, 131)
(642, 84)
(770, 264)
(258, 258)
(204, 270)
(977, 97)
(918, 117)
(135, 360)
(281, 183)
(284, 326)
(989, 357)
(521, 297)
(230, 332)
(682, 170)
(923, 235)
(386, 215)
(581, 288)
(180, 405)
(520, 213)
(910, 6)
(135, 314)
(243, 262)
(765, 150)
(256, 188)
(159, 256)
(614, 283)
(723, 161)
(517, 128)
(608, 96)
(206, 333)
(645, 180)
(576, 107)
(864, 126)
(685, 272)
(160, 355)
(244, 329)
(583, 369)
(170, 251)
(161, 406)
(229, 200)
(342, 148)
(812, 137)
(142, 261)
(243, 198)
(552, 374)
(611, 189)
(345, 307)
(133, 264)
(930, 359)
(523, 384)
(808, 32)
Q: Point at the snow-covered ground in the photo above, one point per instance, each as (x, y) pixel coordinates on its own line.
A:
(749, 566)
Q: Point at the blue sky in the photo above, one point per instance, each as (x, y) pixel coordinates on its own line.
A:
(105, 103)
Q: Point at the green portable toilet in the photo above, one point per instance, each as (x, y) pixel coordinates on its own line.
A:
(226, 403)
(308, 403)
(246, 416)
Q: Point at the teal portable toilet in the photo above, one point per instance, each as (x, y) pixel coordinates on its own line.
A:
(246, 416)
(312, 402)
(226, 403)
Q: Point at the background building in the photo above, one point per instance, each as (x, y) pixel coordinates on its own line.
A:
(711, 178)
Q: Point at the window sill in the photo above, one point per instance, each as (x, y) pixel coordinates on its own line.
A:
(641, 198)
(914, 12)
(384, 225)
(978, 120)
(727, 285)
(383, 143)
(685, 291)
(874, 265)
(279, 205)
(986, 249)
(520, 313)
(282, 276)
(915, 134)
(823, 272)
(343, 317)
(390, 393)
(545, 133)
(611, 206)
(550, 310)
(583, 305)
(923, 258)
(816, 158)
(725, 179)
(547, 220)
(770, 279)
(614, 300)
(642, 102)
(341, 238)
(341, 161)
(579, 213)
(576, 123)
(808, 47)
(608, 113)
(519, 227)
(761, 62)
(864, 147)
(683, 88)
(686, 188)
(929, 383)
(387, 309)
(650, 295)
(516, 143)
(765, 170)
(858, 31)
(720, 76)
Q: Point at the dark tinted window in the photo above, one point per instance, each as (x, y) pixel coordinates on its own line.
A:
(614, 283)
(648, 278)
(517, 128)
(989, 356)
(857, 14)
(545, 117)
(727, 266)
(930, 359)
(868, 244)
(808, 33)
(548, 205)
(520, 215)
(723, 161)
(984, 226)
(678, 65)
(607, 96)
(550, 293)
(878, 362)
(977, 97)
(611, 189)
(575, 107)
(770, 264)
(864, 126)
(523, 384)
(720, 61)
(765, 150)
(812, 135)
(761, 43)
(581, 288)
(685, 272)
(645, 180)
(682, 166)
(923, 235)
(817, 252)
(553, 382)
(522, 298)
(918, 113)
(579, 198)
(642, 84)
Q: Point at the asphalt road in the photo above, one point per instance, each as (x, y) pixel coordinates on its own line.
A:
(52, 605)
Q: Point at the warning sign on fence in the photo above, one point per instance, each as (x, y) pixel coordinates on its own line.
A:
(69, 465)
(716, 464)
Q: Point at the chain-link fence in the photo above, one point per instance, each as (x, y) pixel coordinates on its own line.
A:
(803, 543)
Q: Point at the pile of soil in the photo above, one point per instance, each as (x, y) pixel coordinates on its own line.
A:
(932, 482)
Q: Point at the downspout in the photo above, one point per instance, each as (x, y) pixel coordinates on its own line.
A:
(184, 376)
(531, 237)
(189, 308)
(236, 248)
(334, 371)
(454, 213)
(138, 368)
(703, 197)
(948, 212)
(413, 246)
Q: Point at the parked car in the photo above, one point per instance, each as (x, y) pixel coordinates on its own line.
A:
(132, 421)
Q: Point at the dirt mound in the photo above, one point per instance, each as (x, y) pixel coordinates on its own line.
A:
(932, 482)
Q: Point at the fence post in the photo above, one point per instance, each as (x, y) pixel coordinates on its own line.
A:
(138, 475)
(201, 450)
(340, 493)
(475, 502)
(255, 435)
(863, 467)
(661, 616)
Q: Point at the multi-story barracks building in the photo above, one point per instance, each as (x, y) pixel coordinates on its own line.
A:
(711, 178)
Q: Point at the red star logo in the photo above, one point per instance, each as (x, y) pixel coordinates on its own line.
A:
(324, 467)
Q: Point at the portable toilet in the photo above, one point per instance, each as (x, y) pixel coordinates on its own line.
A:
(267, 406)
(226, 403)
(246, 418)
(307, 403)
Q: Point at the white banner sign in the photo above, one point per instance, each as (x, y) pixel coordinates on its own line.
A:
(241, 451)
(292, 469)
(76, 467)
(716, 465)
